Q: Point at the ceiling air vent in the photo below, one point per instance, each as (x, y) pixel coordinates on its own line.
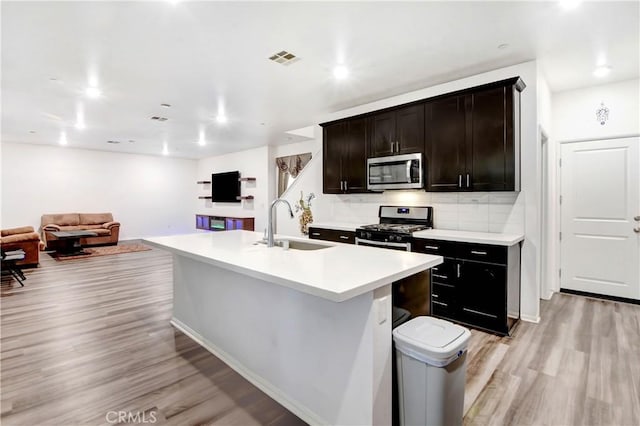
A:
(157, 118)
(284, 58)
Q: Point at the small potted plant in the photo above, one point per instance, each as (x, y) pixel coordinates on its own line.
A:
(306, 217)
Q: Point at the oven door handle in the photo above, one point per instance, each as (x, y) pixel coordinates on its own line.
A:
(382, 243)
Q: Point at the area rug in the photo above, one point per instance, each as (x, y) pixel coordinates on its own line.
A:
(105, 250)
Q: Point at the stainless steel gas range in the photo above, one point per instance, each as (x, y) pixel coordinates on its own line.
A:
(396, 226)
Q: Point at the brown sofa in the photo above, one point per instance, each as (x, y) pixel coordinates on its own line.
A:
(24, 238)
(101, 223)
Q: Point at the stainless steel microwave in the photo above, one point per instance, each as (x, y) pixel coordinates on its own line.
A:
(395, 172)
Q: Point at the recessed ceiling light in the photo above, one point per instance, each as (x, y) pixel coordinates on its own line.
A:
(220, 118)
(92, 92)
(340, 72)
(602, 71)
(503, 46)
(63, 138)
(570, 4)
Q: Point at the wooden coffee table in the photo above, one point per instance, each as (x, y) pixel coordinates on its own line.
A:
(69, 242)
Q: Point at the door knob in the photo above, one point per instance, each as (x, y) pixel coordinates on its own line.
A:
(636, 230)
(636, 218)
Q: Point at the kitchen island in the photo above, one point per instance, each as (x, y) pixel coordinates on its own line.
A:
(309, 325)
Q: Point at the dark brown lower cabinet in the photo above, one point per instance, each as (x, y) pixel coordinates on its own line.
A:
(224, 223)
(348, 237)
(477, 284)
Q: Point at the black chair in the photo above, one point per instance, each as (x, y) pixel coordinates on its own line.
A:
(9, 260)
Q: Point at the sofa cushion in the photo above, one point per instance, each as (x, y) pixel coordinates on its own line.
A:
(18, 238)
(13, 231)
(98, 230)
(91, 227)
(95, 218)
(65, 219)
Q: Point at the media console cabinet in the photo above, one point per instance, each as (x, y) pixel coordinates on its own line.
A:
(224, 223)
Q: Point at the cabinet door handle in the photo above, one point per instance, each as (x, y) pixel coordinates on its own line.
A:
(636, 218)
(346, 187)
(459, 181)
(393, 145)
(432, 247)
(440, 276)
(458, 270)
(439, 303)
(636, 230)
(480, 313)
(315, 234)
(397, 146)
(344, 237)
(468, 184)
(481, 253)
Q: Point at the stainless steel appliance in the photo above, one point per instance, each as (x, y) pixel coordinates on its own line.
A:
(397, 223)
(395, 172)
(395, 228)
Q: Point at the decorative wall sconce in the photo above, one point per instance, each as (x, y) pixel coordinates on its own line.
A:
(602, 113)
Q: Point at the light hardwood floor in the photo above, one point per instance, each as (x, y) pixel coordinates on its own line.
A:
(88, 337)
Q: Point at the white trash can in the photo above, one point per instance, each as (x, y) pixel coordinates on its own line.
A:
(431, 359)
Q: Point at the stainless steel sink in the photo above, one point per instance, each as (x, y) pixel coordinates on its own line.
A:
(296, 245)
(303, 245)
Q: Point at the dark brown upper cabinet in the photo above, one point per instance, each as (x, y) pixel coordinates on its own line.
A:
(445, 143)
(470, 140)
(398, 131)
(473, 139)
(345, 156)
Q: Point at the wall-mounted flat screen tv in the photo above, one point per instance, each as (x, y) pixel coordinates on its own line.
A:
(225, 187)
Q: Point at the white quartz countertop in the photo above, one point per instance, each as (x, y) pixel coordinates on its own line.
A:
(470, 236)
(338, 226)
(338, 273)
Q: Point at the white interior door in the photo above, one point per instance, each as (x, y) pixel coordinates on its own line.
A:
(600, 244)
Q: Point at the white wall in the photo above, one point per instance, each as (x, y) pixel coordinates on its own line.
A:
(548, 192)
(574, 111)
(250, 163)
(149, 195)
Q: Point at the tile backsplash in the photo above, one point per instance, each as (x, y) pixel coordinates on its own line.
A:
(467, 211)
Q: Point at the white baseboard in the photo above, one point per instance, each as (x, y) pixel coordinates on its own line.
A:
(258, 381)
(532, 319)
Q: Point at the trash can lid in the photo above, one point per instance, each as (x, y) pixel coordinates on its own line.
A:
(431, 340)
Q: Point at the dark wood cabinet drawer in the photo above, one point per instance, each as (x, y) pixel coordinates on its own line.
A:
(443, 301)
(437, 247)
(445, 273)
(483, 253)
(348, 237)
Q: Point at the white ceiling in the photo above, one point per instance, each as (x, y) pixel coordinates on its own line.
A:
(202, 56)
